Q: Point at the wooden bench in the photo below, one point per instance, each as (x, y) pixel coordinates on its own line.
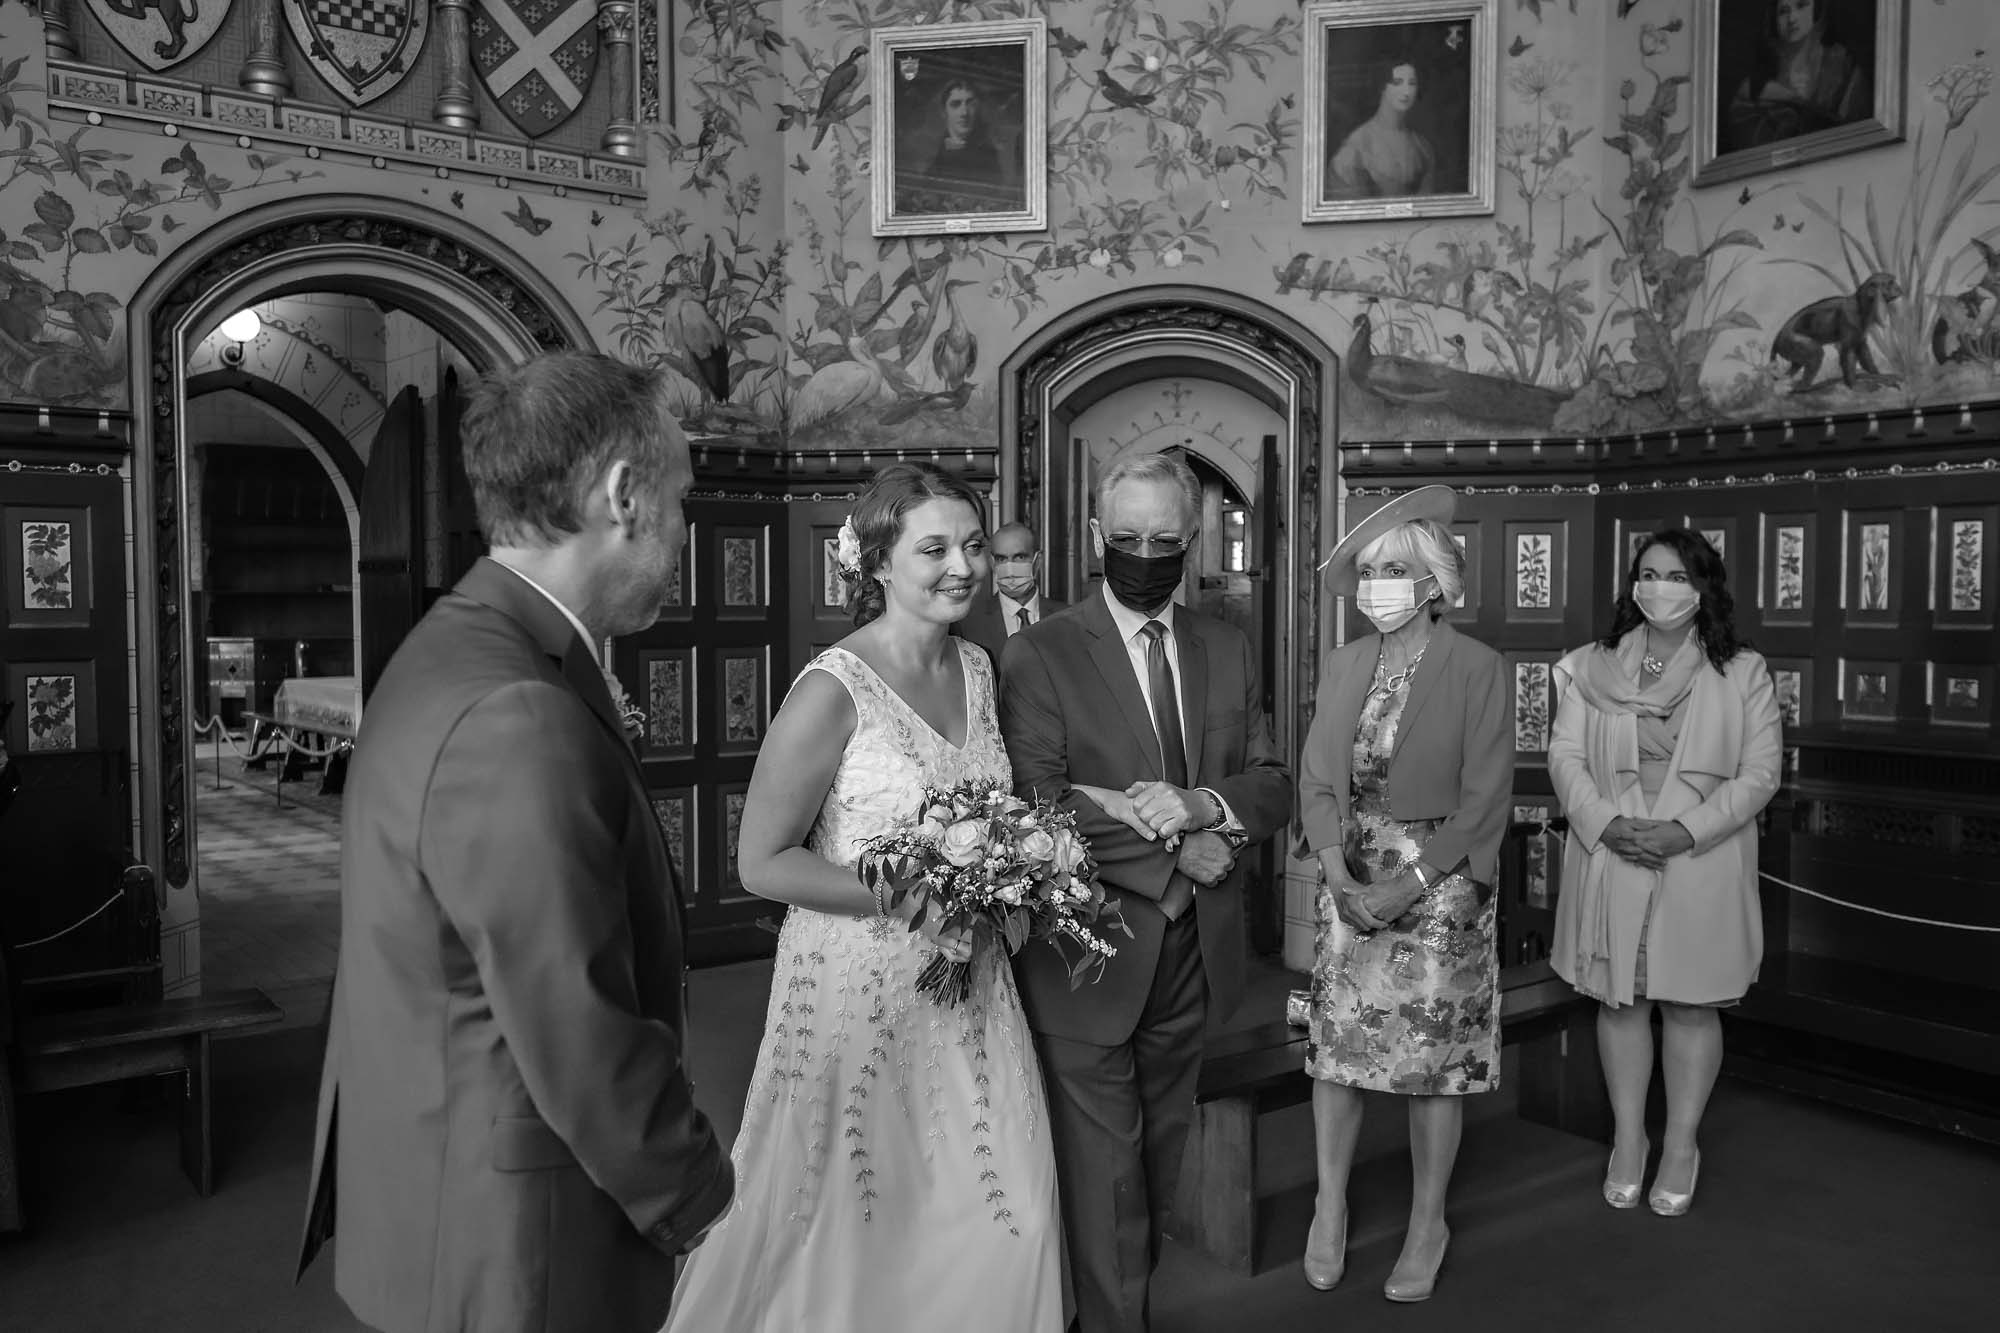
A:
(94, 1046)
(1259, 1069)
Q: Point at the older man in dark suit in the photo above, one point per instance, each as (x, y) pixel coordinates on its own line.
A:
(505, 1115)
(1159, 710)
(1017, 601)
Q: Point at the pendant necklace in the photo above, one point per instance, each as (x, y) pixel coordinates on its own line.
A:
(1388, 684)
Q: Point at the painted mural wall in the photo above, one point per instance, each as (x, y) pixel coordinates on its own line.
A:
(1605, 294)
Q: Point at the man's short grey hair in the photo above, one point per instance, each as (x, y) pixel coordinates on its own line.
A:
(1426, 542)
(1151, 467)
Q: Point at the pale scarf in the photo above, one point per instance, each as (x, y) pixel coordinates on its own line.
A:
(1630, 714)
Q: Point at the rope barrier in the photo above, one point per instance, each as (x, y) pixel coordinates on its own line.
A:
(278, 734)
(1875, 911)
(101, 909)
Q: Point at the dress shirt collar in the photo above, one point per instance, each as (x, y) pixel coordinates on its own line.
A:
(555, 601)
(1010, 609)
(1131, 622)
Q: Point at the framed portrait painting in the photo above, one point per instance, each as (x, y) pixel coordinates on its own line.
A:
(1399, 109)
(1780, 82)
(961, 133)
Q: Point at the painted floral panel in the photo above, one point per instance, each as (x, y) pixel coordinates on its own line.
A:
(1789, 593)
(1533, 561)
(740, 584)
(1531, 707)
(1459, 538)
(666, 702)
(1874, 567)
(1871, 694)
(45, 567)
(672, 813)
(1968, 565)
(831, 588)
(51, 713)
(1717, 538)
(1961, 694)
(1786, 682)
(732, 829)
(742, 711)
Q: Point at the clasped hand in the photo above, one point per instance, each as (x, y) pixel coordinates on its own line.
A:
(1646, 842)
(1170, 811)
(1366, 907)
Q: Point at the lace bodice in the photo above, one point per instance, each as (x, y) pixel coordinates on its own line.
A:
(894, 754)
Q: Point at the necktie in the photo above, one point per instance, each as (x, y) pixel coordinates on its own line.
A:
(1023, 617)
(1173, 747)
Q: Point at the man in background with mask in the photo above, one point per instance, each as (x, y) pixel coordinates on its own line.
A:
(1017, 600)
(1146, 720)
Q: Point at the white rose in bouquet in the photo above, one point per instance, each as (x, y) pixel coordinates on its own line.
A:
(1039, 846)
(964, 842)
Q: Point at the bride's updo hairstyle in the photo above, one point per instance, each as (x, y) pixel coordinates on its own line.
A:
(878, 517)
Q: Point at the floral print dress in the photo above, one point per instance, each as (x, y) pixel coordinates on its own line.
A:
(1413, 1007)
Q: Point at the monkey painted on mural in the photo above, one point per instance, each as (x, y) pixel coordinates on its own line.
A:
(1837, 321)
(1964, 329)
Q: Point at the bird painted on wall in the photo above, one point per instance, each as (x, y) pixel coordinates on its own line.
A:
(1472, 394)
(840, 80)
(956, 350)
(840, 387)
(1118, 94)
(951, 400)
(1292, 273)
(702, 342)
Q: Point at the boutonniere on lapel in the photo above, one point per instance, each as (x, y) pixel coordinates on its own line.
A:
(630, 715)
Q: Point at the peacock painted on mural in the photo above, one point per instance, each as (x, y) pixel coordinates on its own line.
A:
(1408, 382)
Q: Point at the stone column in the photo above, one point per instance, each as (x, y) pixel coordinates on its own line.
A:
(264, 70)
(55, 24)
(614, 48)
(454, 106)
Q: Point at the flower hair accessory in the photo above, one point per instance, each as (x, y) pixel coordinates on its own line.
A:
(847, 549)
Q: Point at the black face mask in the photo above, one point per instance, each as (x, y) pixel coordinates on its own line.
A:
(1142, 583)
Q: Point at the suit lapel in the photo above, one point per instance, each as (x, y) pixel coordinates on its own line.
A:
(1193, 667)
(1107, 651)
(1436, 657)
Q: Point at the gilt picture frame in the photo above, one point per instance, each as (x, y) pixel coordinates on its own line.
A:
(960, 138)
(1399, 110)
(1781, 82)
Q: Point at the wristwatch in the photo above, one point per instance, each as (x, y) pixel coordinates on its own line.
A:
(1417, 869)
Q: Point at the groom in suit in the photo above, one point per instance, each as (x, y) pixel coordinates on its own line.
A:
(1128, 691)
(1017, 600)
(505, 1116)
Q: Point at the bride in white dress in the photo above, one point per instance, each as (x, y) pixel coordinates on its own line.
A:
(893, 1170)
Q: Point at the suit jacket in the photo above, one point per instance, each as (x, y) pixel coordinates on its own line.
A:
(504, 1116)
(984, 625)
(1454, 753)
(1071, 711)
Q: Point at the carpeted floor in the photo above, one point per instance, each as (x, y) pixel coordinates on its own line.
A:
(1808, 1218)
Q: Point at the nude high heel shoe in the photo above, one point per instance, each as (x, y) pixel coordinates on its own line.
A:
(1667, 1203)
(1625, 1194)
(1407, 1287)
(1324, 1268)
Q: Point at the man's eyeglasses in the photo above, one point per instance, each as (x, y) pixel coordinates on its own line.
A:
(1130, 544)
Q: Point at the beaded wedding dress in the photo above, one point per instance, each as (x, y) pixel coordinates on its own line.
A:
(893, 1170)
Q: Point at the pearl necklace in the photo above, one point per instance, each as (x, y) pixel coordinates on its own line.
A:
(1388, 684)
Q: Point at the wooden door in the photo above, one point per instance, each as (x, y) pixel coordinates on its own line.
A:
(708, 674)
(63, 669)
(463, 543)
(389, 577)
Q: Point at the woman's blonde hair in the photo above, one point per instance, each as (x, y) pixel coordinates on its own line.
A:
(1427, 542)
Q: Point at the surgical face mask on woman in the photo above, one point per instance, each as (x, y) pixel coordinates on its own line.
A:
(1390, 603)
(1667, 606)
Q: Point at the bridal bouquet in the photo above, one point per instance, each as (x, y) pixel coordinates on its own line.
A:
(986, 861)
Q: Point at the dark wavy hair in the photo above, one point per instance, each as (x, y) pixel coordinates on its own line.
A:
(878, 521)
(1714, 617)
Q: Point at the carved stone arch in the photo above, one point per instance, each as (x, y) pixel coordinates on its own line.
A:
(490, 303)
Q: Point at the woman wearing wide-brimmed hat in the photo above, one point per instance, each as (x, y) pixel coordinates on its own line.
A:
(1405, 779)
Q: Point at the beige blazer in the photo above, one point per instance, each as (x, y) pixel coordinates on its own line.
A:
(1705, 938)
(1454, 754)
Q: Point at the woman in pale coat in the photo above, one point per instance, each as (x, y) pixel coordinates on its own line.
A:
(1666, 747)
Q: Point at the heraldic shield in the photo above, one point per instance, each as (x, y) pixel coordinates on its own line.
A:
(362, 47)
(160, 33)
(536, 58)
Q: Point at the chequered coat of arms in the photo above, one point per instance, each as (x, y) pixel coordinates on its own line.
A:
(362, 47)
(536, 58)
